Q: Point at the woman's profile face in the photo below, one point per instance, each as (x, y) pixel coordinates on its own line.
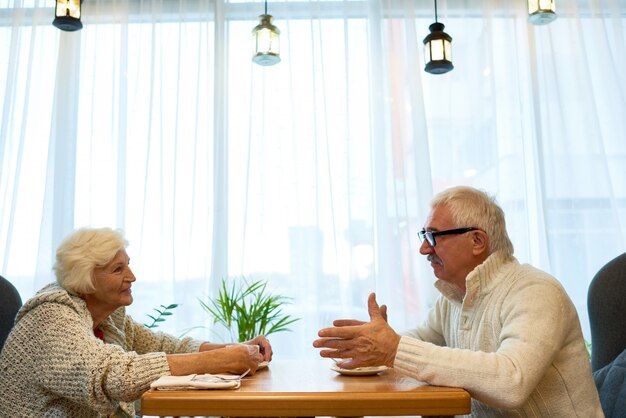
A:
(113, 284)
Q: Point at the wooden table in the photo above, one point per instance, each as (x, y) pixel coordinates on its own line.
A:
(311, 388)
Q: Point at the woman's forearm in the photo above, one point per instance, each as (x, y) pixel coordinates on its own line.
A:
(207, 346)
(232, 359)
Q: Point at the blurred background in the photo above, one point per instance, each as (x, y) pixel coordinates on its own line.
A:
(314, 174)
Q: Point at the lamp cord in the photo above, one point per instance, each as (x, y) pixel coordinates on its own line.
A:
(435, 10)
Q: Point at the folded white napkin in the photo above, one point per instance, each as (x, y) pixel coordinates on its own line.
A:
(197, 381)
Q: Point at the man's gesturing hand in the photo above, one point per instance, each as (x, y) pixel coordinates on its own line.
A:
(372, 343)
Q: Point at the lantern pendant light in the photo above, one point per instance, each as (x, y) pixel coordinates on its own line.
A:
(437, 49)
(266, 41)
(67, 15)
(541, 12)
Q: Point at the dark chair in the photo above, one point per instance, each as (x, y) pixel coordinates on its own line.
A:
(10, 303)
(606, 305)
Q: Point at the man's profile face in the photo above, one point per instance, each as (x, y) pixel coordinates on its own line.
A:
(451, 258)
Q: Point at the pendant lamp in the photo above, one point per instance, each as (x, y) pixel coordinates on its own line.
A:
(541, 12)
(266, 41)
(67, 15)
(437, 49)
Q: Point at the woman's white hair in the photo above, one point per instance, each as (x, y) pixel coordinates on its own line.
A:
(471, 207)
(81, 252)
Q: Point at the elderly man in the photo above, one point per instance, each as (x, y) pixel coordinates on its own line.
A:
(506, 332)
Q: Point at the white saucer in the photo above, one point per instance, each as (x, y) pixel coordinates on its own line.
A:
(360, 371)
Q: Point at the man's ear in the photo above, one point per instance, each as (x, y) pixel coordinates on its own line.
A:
(480, 242)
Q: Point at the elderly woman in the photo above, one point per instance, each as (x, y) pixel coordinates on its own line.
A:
(74, 352)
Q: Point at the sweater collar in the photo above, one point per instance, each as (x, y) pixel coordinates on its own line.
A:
(478, 281)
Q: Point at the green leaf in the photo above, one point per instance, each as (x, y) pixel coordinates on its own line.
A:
(161, 313)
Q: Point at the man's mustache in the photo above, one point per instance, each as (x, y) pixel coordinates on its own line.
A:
(433, 258)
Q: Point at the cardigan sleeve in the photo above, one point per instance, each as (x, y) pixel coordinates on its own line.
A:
(69, 361)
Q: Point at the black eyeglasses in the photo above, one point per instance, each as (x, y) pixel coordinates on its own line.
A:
(430, 235)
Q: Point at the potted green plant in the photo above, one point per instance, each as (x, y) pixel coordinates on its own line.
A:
(247, 309)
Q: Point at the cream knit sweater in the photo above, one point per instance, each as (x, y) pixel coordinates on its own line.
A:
(53, 366)
(513, 342)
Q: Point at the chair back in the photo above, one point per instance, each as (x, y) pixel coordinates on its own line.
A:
(10, 303)
(606, 305)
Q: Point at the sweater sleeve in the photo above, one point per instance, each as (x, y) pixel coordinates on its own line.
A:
(69, 361)
(529, 330)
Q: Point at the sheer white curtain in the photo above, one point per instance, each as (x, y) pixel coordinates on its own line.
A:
(314, 174)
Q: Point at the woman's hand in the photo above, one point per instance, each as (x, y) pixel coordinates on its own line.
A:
(265, 348)
(243, 357)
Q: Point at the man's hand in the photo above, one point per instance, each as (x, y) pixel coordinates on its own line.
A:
(352, 322)
(372, 343)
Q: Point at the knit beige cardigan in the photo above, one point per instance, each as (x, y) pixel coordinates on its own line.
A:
(514, 342)
(52, 365)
